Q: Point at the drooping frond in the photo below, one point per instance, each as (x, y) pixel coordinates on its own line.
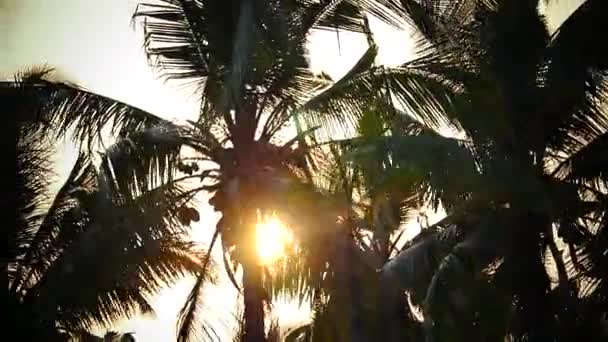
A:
(62, 214)
(589, 259)
(574, 40)
(189, 325)
(588, 164)
(451, 289)
(446, 268)
(445, 165)
(142, 254)
(293, 277)
(414, 266)
(115, 252)
(343, 100)
(576, 78)
(145, 159)
(414, 87)
(32, 180)
(70, 109)
(122, 292)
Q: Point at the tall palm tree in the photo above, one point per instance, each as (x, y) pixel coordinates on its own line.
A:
(89, 255)
(531, 109)
(248, 61)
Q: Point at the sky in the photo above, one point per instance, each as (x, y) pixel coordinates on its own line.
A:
(94, 44)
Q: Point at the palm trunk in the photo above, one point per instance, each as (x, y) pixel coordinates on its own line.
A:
(253, 297)
(348, 293)
(253, 292)
(389, 298)
(529, 280)
(389, 301)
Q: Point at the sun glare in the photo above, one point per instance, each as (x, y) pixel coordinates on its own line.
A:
(271, 239)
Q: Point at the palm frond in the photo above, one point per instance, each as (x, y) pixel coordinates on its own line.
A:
(32, 180)
(414, 266)
(144, 250)
(588, 164)
(62, 214)
(71, 109)
(191, 312)
(431, 19)
(576, 78)
(590, 257)
(174, 33)
(342, 97)
(442, 265)
(414, 163)
(573, 43)
(295, 277)
(414, 87)
(115, 291)
(286, 94)
(333, 15)
(144, 160)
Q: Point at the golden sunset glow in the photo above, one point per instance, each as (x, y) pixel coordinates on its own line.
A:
(271, 239)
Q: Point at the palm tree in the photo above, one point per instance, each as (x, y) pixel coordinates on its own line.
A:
(531, 109)
(348, 305)
(248, 62)
(90, 255)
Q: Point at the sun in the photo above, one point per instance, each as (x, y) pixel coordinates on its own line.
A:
(271, 239)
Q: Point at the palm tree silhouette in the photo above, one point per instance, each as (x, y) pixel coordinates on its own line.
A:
(347, 301)
(248, 61)
(87, 256)
(530, 107)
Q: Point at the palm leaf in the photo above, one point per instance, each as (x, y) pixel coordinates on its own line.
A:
(70, 109)
(145, 159)
(414, 163)
(295, 276)
(142, 254)
(412, 87)
(335, 99)
(192, 309)
(588, 164)
(33, 169)
(432, 19)
(116, 288)
(42, 246)
(414, 266)
(575, 78)
(174, 38)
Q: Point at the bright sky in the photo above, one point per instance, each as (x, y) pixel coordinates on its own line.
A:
(92, 43)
